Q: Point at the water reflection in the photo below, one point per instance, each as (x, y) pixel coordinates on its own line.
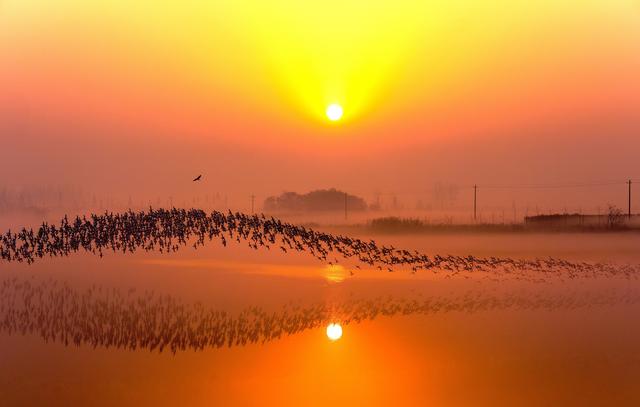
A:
(132, 320)
(334, 331)
(335, 273)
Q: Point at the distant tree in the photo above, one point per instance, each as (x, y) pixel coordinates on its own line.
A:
(615, 217)
(314, 201)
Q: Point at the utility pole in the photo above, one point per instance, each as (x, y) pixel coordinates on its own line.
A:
(345, 206)
(629, 212)
(253, 198)
(475, 201)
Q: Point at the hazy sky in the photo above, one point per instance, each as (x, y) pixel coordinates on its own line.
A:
(139, 96)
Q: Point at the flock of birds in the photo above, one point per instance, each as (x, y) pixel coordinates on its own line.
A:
(108, 318)
(112, 318)
(166, 230)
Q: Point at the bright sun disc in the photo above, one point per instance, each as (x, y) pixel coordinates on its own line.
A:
(334, 112)
(334, 332)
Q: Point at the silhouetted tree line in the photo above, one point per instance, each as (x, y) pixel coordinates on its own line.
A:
(314, 201)
(31, 198)
(614, 219)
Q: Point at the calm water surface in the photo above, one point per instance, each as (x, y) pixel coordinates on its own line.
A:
(478, 341)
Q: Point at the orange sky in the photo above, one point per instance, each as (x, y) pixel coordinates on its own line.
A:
(139, 97)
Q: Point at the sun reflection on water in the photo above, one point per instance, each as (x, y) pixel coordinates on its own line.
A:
(334, 331)
(335, 273)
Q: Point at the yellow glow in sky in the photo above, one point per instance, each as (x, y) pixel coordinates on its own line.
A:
(334, 112)
(206, 66)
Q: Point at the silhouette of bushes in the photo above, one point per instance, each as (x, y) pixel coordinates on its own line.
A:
(315, 201)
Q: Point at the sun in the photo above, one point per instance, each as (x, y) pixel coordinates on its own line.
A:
(334, 112)
(334, 331)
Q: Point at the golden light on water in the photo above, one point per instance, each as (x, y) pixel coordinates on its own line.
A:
(334, 112)
(335, 273)
(334, 331)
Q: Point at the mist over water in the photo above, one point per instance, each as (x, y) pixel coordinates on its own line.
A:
(165, 284)
(319, 203)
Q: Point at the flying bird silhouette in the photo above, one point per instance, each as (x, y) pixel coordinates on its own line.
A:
(198, 178)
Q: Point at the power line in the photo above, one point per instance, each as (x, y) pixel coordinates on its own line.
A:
(629, 212)
(552, 186)
(475, 200)
(585, 184)
(345, 206)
